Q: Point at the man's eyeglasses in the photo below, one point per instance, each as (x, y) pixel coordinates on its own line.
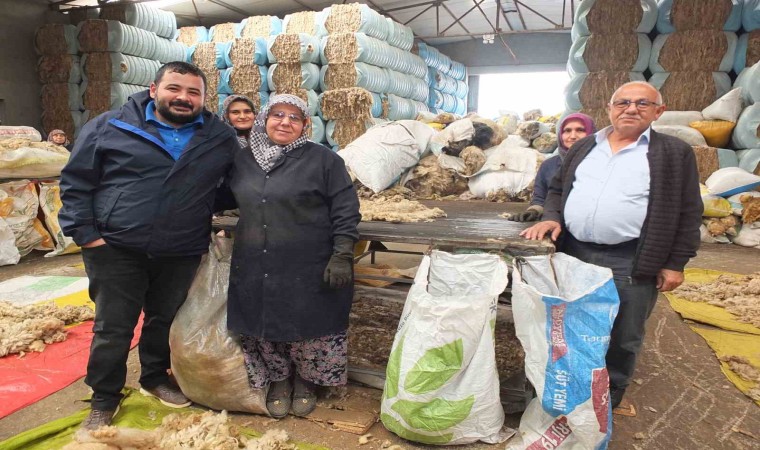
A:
(280, 116)
(640, 104)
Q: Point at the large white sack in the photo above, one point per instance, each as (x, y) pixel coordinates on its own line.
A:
(456, 131)
(731, 180)
(19, 132)
(748, 236)
(8, 252)
(206, 358)
(749, 81)
(749, 159)
(727, 108)
(385, 151)
(681, 118)
(686, 134)
(564, 310)
(511, 169)
(441, 384)
(747, 131)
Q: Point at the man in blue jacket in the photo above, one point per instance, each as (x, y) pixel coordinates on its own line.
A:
(138, 193)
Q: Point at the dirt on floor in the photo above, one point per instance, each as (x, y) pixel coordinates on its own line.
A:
(683, 399)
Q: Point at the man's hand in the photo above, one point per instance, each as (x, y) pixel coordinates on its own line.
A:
(95, 243)
(539, 230)
(667, 280)
(531, 215)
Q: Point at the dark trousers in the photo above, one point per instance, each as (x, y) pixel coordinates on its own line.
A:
(637, 299)
(122, 284)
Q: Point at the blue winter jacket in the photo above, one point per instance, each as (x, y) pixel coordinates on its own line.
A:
(120, 183)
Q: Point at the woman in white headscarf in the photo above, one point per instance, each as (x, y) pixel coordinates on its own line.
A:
(291, 280)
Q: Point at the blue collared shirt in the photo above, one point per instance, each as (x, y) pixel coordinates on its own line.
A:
(608, 201)
(175, 139)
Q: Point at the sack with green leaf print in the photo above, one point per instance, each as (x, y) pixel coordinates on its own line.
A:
(441, 382)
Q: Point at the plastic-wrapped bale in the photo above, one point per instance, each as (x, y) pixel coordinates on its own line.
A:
(212, 90)
(707, 161)
(749, 81)
(60, 97)
(309, 96)
(112, 36)
(747, 51)
(443, 101)
(458, 70)
(440, 81)
(243, 80)
(293, 48)
(751, 15)
(119, 68)
(683, 15)
(205, 57)
(68, 121)
(614, 16)
(309, 22)
(594, 90)
(317, 129)
(400, 36)
(224, 32)
(366, 76)
(691, 91)
(407, 86)
(56, 39)
(627, 52)
(694, 50)
(749, 160)
(192, 35)
(61, 68)
(355, 18)
(747, 131)
(102, 96)
(350, 109)
(142, 15)
(400, 108)
(432, 57)
(168, 51)
(260, 26)
(342, 48)
(246, 51)
(293, 76)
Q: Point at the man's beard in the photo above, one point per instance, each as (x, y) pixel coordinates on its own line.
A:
(166, 112)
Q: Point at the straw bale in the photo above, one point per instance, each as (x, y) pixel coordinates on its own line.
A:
(212, 101)
(693, 50)
(348, 130)
(287, 48)
(350, 103)
(598, 88)
(55, 68)
(188, 36)
(116, 12)
(97, 96)
(611, 52)
(301, 22)
(344, 18)
(55, 97)
(341, 48)
(753, 48)
(688, 91)
(204, 56)
(58, 120)
(257, 26)
(93, 36)
(700, 15)
(614, 16)
(50, 39)
(303, 94)
(242, 52)
(707, 161)
(245, 79)
(97, 67)
(600, 115)
(224, 32)
(287, 76)
(340, 76)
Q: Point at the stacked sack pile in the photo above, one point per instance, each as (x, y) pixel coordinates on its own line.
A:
(366, 59)
(746, 135)
(59, 73)
(448, 90)
(294, 56)
(122, 52)
(610, 47)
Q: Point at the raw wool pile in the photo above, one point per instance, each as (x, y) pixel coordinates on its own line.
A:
(473, 158)
(301, 22)
(744, 368)
(430, 180)
(750, 208)
(546, 143)
(207, 431)
(533, 114)
(707, 161)
(22, 158)
(722, 226)
(204, 57)
(20, 206)
(502, 196)
(224, 32)
(396, 191)
(739, 295)
(26, 329)
(486, 134)
(350, 108)
(397, 210)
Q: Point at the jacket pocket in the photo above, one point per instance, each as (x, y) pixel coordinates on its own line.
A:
(108, 207)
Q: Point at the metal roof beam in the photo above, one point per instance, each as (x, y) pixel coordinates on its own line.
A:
(518, 2)
(456, 21)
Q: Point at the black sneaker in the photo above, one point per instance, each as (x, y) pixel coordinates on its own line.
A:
(168, 395)
(98, 418)
(304, 397)
(279, 398)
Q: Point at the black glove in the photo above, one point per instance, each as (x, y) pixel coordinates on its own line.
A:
(339, 272)
(532, 214)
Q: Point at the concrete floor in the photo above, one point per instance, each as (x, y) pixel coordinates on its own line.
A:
(683, 399)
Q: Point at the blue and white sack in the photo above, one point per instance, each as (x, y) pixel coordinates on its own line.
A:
(564, 310)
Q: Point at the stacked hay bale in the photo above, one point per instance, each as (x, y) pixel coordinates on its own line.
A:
(448, 91)
(59, 74)
(191, 36)
(242, 65)
(610, 47)
(119, 59)
(692, 56)
(356, 54)
(203, 55)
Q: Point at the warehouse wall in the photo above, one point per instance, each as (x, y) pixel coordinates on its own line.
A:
(535, 52)
(19, 87)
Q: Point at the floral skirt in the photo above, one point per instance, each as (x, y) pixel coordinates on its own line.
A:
(323, 360)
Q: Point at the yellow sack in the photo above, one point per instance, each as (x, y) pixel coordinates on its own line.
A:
(715, 206)
(717, 133)
(436, 125)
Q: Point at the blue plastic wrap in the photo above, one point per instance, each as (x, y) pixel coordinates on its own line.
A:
(751, 15)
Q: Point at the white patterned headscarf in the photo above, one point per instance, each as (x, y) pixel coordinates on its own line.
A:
(264, 150)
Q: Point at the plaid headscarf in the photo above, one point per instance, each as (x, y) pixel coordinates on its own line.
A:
(242, 135)
(54, 132)
(264, 150)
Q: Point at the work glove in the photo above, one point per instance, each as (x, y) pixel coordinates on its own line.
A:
(532, 214)
(339, 272)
